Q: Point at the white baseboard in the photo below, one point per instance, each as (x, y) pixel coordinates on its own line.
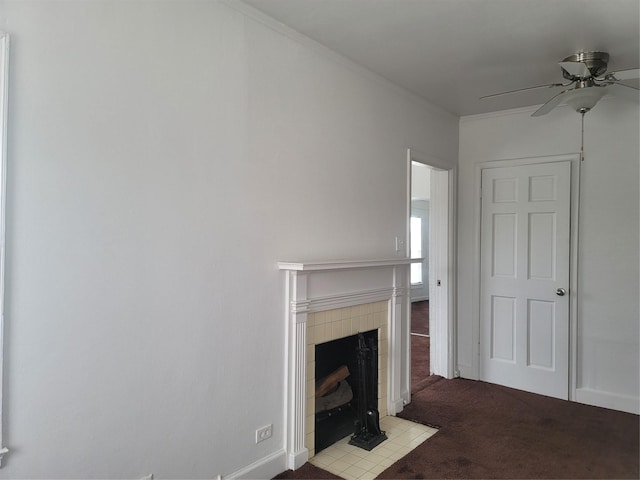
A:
(405, 395)
(598, 398)
(468, 372)
(267, 467)
(295, 460)
(396, 406)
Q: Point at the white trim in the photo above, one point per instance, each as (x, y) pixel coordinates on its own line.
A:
(266, 467)
(341, 264)
(406, 361)
(318, 48)
(519, 111)
(4, 81)
(452, 250)
(499, 113)
(473, 371)
(344, 300)
(416, 298)
(574, 240)
(614, 401)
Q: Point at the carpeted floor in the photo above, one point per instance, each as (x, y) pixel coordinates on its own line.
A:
(420, 317)
(419, 362)
(420, 345)
(489, 431)
(307, 472)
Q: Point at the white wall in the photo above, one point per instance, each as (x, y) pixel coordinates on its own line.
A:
(607, 370)
(162, 157)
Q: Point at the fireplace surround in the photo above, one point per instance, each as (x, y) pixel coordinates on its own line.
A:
(329, 300)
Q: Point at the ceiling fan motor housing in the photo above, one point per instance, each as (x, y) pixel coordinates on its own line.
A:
(588, 83)
(596, 62)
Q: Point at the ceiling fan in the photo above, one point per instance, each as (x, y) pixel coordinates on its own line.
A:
(587, 76)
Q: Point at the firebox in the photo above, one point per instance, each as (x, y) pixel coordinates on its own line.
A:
(346, 391)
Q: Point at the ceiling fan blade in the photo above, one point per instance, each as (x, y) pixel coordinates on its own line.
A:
(551, 104)
(550, 85)
(624, 85)
(576, 69)
(624, 91)
(630, 74)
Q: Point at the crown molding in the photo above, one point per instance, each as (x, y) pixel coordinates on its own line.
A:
(317, 47)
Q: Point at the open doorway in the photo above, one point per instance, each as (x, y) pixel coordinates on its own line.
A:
(419, 273)
(430, 209)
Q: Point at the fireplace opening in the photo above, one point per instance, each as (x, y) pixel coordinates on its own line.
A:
(346, 388)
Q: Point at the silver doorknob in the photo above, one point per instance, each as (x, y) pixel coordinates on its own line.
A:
(561, 292)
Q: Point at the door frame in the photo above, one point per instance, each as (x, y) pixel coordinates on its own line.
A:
(443, 340)
(4, 92)
(574, 230)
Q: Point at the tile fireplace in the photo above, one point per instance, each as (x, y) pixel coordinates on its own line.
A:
(326, 301)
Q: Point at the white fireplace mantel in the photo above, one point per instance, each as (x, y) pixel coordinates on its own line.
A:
(327, 285)
(341, 264)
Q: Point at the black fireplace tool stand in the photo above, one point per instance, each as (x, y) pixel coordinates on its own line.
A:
(367, 433)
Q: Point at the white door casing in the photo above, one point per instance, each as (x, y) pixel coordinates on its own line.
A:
(525, 239)
(4, 80)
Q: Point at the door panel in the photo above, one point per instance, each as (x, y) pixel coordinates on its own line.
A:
(524, 258)
(542, 246)
(439, 268)
(503, 328)
(504, 242)
(541, 320)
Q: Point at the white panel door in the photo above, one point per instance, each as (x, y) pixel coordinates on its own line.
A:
(524, 292)
(439, 273)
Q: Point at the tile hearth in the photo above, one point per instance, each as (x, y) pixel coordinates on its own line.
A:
(353, 463)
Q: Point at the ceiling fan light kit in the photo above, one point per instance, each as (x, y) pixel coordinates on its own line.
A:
(585, 98)
(589, 82)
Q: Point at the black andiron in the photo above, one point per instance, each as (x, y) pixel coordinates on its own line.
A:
(367, 426)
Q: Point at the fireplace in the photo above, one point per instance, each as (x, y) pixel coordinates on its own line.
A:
(332, 300)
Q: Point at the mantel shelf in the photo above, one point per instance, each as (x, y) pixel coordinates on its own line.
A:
(342, 264)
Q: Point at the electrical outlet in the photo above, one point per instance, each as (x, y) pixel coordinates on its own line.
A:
(264, 433)
(399, 244)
